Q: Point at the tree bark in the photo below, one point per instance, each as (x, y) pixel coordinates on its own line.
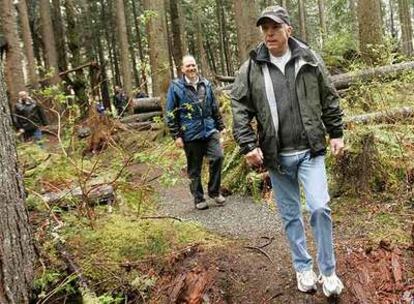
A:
(143, 61)
(60, 35)
(16, 247)
(158, 47)
(14, 67)
(178, 48)
(322, 21)
(204, 67)
(302, 20)
(393, 115)
(248, 35)
(28, 43)
(406, 27)
(131, 43)
(143, 105)
(370, 29)
(123, 47)
(48, 38)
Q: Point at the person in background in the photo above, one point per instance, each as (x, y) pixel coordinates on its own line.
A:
(195, 123)
(120, 100)
(29, 117)
(284, 85)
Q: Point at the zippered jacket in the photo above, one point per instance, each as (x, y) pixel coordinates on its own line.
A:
(318, 103)
(188, 117)
(28, 115)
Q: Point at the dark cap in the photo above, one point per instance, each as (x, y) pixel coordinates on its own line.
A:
(276, 13)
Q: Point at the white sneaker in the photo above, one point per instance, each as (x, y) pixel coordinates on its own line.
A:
(220, 199)
(306, 280)
(331, 285)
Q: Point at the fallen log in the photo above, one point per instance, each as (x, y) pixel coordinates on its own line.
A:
(145, 125)
(379, 117)
(141, 117)
(143, 105)
(101, 194)
(342, 81)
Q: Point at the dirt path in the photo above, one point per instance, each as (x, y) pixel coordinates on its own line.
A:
(255, 278)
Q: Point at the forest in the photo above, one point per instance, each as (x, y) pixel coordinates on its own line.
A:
(94, 202)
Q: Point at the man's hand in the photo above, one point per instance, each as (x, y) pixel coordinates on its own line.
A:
(179, 143)
(254, 158)
(337, 145)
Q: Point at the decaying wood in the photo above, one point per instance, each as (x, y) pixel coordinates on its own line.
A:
(99, 194)
(392, 115)
(145, 125)
(141, 117)
(376, 276)
(143, 105)
(342, 81)
(190, 287)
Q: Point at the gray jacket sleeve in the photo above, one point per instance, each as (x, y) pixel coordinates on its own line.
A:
(243, 112)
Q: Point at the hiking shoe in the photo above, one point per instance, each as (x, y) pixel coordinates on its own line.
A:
(331, 285)
(201, 205)
(306, 280)
(220, 199)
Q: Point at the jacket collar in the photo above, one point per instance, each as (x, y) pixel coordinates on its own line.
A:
(298, 48)
(201, 79)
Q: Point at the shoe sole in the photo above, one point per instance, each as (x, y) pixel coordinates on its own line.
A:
(307, 290)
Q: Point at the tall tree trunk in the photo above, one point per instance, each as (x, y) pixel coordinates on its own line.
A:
(178, 49)
(226, 44)
(142, 59)
(322, 21)
(406, 27)
(370, 29)
(354, 21)
(169, 39)
(28, 43)
(302, 20)
(392, 21)
(14, 67)
(17, 251)
(60, 35)
(248, 34)
(123, 47)
(131, 44)
(205, 69)
(48, 38)
(221, 37)
(158, 47)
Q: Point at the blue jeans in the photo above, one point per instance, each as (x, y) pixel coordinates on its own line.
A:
(311, 173)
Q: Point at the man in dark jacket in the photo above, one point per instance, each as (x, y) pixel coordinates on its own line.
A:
(195, 123)
(120, 101)
(284, 86)
(28, 117)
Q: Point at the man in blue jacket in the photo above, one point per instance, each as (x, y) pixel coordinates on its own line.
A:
(195, 123)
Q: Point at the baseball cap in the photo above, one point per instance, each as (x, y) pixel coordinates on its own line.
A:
(276, 13)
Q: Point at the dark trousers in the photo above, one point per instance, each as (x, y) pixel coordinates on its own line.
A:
(195, 152)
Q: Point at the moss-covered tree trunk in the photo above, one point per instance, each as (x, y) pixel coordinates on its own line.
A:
(370, 29)
(248, 34)
(16, 247)
(158, 47)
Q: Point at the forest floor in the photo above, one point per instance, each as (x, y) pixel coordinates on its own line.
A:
(254, 265)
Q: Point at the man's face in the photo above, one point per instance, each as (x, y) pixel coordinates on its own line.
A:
(189, 68)
(275, 36)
